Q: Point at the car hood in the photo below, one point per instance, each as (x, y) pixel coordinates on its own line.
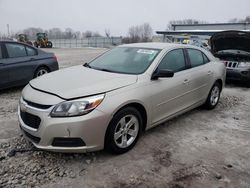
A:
(230, 40)
(79, 81)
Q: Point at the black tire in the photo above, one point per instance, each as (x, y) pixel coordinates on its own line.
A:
(49, 45)
(41, 71)
(213, 99)
(112, 144)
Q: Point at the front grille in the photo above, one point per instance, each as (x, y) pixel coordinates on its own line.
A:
(68, 142)
(41, 106)
(31, 137)
(231, 64)
(30, 120)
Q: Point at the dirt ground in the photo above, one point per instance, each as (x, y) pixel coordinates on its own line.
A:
(201, 148)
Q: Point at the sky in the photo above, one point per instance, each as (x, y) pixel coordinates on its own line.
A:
(115, 15)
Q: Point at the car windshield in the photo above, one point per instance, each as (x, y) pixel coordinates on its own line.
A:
(126, 60)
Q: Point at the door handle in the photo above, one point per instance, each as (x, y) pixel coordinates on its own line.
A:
(185, 81)
(32, 59)
(209, 72)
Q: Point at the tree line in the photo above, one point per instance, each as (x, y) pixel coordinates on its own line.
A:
(57, 33)
(136, 33)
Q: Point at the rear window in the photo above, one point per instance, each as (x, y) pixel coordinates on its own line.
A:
(206, 60)
(15, 50)
(196, 57)
(31, 51)
(174, 61)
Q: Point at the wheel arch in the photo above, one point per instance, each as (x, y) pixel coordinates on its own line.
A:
(41, 66)
(220, 82)
(138, 106)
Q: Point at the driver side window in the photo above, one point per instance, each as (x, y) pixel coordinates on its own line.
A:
(174, 61)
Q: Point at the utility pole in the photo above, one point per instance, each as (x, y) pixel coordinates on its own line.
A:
(8, 29)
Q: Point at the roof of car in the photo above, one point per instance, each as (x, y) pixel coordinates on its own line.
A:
(10, 41)
(155, 45)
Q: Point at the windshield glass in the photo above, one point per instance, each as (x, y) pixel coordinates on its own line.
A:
(125, 60)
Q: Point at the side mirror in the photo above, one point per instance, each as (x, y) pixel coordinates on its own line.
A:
(164, 73)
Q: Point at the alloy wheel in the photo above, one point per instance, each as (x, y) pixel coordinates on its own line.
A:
(215, 94)
(41, 72)
(126, 131)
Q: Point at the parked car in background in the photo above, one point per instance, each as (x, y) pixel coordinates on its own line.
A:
(233, 48)
(19, 63)
(108, 102)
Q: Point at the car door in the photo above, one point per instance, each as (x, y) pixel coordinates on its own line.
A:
(20, 65)
(169, 95)
(201, 76)
(4, 72)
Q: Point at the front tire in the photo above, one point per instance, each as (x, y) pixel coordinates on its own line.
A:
(123, 131)
(213, 97)
(49, 44)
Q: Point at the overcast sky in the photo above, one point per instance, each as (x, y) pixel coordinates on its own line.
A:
(116, 15)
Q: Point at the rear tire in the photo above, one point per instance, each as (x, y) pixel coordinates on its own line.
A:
(213, 96)
(41, 71)
(49, 44)
(123, 131)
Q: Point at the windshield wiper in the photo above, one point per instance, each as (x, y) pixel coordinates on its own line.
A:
(87, 65)
(106, 70)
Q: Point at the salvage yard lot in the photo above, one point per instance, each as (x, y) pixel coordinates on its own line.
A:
(198, 149)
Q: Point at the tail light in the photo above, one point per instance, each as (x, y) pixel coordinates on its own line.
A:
(54, 57)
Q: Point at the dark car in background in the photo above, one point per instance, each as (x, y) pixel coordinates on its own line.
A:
(19, 63)
(233, 48)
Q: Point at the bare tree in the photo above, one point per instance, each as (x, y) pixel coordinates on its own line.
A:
(32, 31)
(77, 34)
(237, 20)
(234, 20)
(69, 33)
(185, 21)
(146, 32)
(55, 33)
(96, 34)
(107, 33)
(140, 33)
(133, 33)
(88, 34)
(247, 19)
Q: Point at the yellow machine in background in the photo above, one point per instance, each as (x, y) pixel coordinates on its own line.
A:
(42, 41)
(24, 38)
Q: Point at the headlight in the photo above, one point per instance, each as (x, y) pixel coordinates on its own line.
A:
(76, 107)
(244, 64)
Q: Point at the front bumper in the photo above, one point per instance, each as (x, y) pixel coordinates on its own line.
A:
(90, 128)
(240, 74)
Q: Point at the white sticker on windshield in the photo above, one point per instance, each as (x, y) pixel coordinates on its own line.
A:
(144, 51)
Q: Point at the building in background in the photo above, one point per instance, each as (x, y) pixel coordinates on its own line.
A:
(186, 33)
(213, 26)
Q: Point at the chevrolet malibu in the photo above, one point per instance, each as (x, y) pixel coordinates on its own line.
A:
(109, 102)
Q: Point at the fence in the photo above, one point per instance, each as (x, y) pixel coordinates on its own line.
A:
(101, 42)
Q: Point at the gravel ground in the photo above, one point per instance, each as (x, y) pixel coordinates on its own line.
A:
(198, 149)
